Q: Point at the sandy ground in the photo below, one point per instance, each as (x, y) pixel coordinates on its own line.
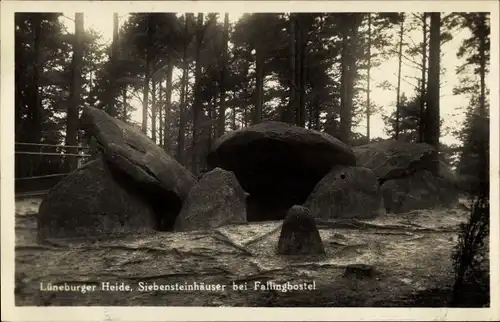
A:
(410, 253)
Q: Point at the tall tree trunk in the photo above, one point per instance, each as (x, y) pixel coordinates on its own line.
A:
(398, 91)
(124, 116)
(310, 117)
(197, 93)
(161, 108)
(482, 66)
(35, 131)
(113, 100)
(147, 76)
(183, 102)
(287, 117)
(259, 84)
(317, 111)
(483, 154)
(247, 115)
(145, 102)
(433, 114)
(421, 126)
(302, 73)
(153, 110)
(212, 116)
(348, 77)
(168, 102)
(223, 72)
(233, 118)
(76, 87)
(344, 80)
(368, 76)
(181, 140)
(298, 69)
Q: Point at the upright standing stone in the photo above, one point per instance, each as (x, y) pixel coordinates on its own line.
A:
(299, 234)
(217, 200)
(347, 192)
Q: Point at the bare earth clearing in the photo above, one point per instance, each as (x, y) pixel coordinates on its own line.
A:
(410, 253)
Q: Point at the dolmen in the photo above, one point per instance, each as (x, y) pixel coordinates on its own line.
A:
(269, 171)
(277, 164)
(132, 186)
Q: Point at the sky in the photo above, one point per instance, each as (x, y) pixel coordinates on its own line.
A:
(452, 106)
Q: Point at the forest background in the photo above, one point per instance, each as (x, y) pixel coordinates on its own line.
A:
(186, 79)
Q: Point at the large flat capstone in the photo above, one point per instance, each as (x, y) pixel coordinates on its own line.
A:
(163, 180)
(278, 164)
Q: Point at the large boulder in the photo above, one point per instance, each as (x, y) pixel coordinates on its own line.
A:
(392, 159)
(278, 164)
(421, 190)
(164, 181)
(217, 200)
(346, 192)
(91, 202)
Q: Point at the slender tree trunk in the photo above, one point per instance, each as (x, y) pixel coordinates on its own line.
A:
(223, 72)
(181, 141)
(259, 84)
(76, 87)
(302, 73)
(113, 101)
(161, 108)
(182, 107)
(145, 102)
(317, 111)
(153, 110)
(343, 130)
(310, 117)
(482, 66)
(124, 115)
(398, 91)
(212, 116)
(168, 102)
(421, 127)
(197, 93)
(348, 77)
(247, 115)
(287, 117)
(298, 69)
(433, 114)
(484, 153)
(34, 130)
(233, 119)
(145, 91)
(36, 111)
(368, 70)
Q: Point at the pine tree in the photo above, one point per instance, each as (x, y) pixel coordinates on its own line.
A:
(75, 93)
(433, 115)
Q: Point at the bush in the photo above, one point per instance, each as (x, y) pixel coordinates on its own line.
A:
(470, 258)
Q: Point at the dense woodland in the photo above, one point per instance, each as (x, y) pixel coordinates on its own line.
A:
(199, 76)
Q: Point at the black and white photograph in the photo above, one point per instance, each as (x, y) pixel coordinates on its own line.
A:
(206, 157)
